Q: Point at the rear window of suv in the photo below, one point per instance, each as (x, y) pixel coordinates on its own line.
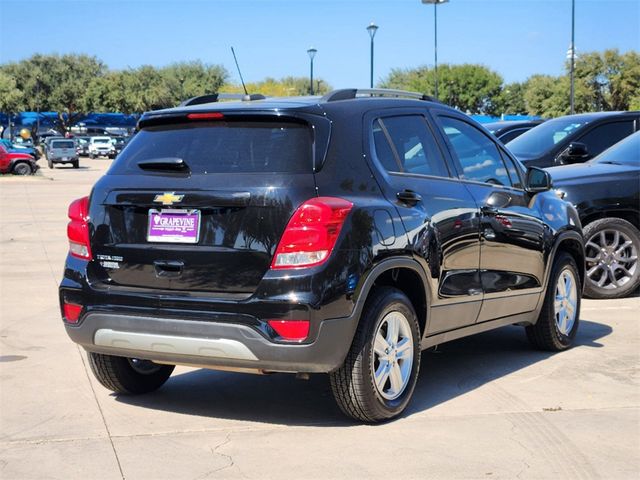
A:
(223, 147)
(63, 144)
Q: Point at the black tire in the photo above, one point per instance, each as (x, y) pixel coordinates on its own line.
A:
(545, 334)
(92, 156)
(21, 168)
(76, 164)
(50, 163)
(353, 384)
(119, 375)
(610, 289)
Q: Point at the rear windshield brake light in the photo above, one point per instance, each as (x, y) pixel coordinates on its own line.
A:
(205, 116)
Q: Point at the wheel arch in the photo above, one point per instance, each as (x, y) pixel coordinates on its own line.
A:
(405, 274)
(19, 162)
(633, 217)
(570, 242)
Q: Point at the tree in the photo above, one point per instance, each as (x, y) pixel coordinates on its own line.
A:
(55, 83)
(609, 80)
(11, 98)
(192, 79)
(284, 87)
(467, 87)
(149, 88)
(510, 100)
(543, 96)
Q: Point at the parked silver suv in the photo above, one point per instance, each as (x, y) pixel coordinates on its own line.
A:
(62, 151)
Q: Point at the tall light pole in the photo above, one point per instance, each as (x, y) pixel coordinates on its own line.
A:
(372, 29)
(35, 140)
(312, 53)
(435, 36)
(572, 51)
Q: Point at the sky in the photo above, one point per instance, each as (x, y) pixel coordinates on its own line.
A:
(516, 38)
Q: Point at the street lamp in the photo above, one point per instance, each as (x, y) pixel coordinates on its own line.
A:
(312, 53)
(435, 35)
(35, 140)
(372, 29)
(572, 52)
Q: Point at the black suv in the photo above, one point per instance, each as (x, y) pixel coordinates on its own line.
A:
(337, 235)
(573, 138)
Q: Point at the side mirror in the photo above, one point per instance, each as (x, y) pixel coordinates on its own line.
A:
(576, 152)
(537, 180)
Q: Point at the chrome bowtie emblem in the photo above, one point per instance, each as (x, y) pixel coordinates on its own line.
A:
(168, 198)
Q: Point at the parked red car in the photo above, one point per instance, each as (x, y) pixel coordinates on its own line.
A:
(16, 163)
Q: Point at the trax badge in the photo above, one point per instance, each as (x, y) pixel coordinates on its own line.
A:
(168, 198)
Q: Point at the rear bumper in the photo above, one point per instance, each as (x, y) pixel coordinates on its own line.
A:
(211, 344)
(60, 159)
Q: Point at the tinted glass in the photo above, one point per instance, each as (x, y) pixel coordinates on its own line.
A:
(63, 144)
(626, 152)
(476, 152)
(544, 137)
(507, 137)
(603, 136)
(223, 147)
(511, 168)
(404, 144)
(385, 155)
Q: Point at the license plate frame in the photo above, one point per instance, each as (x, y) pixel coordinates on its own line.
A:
(173, 230)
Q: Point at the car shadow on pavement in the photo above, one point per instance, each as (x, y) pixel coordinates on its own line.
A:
(453, 369)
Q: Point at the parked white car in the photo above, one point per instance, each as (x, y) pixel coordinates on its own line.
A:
(101, 147)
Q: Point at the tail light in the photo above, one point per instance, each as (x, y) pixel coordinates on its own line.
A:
(71, 312)
(311, 233)
(290, 330)
(78, 229)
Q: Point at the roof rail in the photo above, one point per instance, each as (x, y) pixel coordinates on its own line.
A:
(351, 93)
(216, 97)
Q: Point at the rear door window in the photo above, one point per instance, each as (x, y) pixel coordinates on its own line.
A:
(223, 147)
(602, 137)
(404, 144)
(477, 153)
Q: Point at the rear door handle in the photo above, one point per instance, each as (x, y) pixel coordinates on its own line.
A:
(409, 197)
(170, 268)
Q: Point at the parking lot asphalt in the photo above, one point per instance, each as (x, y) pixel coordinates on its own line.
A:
(485, 407)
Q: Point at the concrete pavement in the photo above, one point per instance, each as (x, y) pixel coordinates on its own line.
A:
(485, 407)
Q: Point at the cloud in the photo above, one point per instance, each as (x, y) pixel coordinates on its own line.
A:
(479, 166)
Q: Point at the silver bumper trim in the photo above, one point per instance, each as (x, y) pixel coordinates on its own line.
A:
(147, 342)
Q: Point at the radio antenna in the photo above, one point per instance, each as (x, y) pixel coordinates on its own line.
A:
(239, 72)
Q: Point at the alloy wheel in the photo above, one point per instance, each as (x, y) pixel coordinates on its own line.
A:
(392, 355)
(566, 301)
(612, 259)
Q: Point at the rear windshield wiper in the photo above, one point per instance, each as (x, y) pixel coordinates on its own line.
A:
(169, 163)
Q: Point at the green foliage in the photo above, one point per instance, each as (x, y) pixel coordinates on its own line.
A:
(55, 83)
(609, 80)
(148, 88)
(467, 87)
(11, 98)
(284, 87)
(546, 96)
(75, 84)
(510, 100)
